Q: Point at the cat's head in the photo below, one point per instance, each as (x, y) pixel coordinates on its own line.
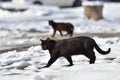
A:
(50, 22)
(47, 44)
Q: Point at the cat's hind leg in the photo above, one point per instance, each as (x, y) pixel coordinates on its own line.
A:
(91, 56)
(69, 60)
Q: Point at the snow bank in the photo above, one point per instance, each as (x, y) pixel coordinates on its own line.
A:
(26, 63)
(19, 60)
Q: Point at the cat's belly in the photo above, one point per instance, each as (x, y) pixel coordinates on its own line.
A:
(71, 52)
(77, 52)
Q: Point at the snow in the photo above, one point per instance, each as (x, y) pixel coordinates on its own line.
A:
(26, 63)
(18, 27)
(92, 3)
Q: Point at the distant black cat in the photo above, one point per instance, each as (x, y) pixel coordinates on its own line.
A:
(61, 26)
(73, 46)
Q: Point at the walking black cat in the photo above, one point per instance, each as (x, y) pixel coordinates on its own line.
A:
(72, 46)
(61, 26)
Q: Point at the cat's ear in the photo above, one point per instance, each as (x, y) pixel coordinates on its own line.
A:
(50, 20)
(48, 39)
(41, 40)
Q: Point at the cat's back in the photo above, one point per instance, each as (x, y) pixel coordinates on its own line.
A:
(74, 40)
(79, 38)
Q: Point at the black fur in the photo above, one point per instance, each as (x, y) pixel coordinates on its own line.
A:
(73, 46)
(68, 27)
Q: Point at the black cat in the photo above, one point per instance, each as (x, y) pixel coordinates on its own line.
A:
(73, 46)
(61, 26)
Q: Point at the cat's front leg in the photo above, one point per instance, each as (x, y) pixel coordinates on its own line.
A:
(51, 61)
(54, 33)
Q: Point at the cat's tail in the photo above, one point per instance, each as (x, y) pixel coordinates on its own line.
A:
(100, 50)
